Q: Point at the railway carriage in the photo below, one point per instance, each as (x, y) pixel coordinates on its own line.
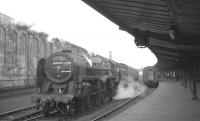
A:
(151, 77)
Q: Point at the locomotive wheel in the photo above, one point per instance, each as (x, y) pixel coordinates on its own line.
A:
(101, 98)
(92, 99)
(80, 104)
(107, 97)
(46, 108)
(88, 102)
(97, 100)
(110, 98)
(63, 107)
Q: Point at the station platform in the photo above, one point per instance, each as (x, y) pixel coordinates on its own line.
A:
(15, 102)
(169, 102)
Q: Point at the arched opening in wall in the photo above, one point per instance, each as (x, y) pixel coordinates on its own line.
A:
(51, 48)
(37, 48)
(2, 41)
(10, 54)
(33, 55)
(21, 54)
(2, 47)
(41, 49)
(14, 48)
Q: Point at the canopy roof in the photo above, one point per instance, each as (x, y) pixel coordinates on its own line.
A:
(151, 21)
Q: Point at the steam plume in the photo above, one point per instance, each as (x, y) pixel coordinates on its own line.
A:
(129, 88)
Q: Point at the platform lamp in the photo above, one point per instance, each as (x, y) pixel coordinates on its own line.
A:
(141, 38)
(172, 32)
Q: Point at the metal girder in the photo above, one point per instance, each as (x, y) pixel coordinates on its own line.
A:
(141, 2)
(158, 42)
(171, 59)
(170, 55)
(113, 8)
(133, 4)
(182, 40)
(150, 23)
(163, 65)
(179, 51)
(189, 40)
(158, 48)
(127, 20)
(146, 19)
(132, 14)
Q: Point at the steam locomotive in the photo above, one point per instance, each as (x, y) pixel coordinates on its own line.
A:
(70, 82)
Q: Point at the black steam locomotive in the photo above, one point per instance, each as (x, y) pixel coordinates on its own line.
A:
(70, 82)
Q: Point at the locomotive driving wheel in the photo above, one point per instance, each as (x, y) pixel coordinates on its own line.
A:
(101, 95)
(64, 108)
(48, 106)
(101, 98)
(88, 102)
(97, 99)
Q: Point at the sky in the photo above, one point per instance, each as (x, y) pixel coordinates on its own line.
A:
(78, 23)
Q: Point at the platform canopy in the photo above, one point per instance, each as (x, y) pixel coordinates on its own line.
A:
(169, 28)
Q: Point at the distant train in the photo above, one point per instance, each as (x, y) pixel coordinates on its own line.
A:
(151, 77)
(70, 82)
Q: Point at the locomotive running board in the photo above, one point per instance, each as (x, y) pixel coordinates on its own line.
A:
(98, 77)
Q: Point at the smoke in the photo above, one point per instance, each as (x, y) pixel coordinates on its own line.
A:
(88, 60)
(129, 88)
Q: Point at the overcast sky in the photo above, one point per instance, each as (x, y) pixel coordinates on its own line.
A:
(76, 22)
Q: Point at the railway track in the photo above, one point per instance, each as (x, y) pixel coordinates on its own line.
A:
(104, 115)
(23, 114)
(30, 113)
(17, 110)
(108, 110)
(87, 114)
(123, 106)
(101, 112)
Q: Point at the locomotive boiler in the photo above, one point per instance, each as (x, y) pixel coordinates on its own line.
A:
(70, 82)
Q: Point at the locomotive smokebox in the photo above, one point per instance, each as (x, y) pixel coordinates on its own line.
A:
(59, 67)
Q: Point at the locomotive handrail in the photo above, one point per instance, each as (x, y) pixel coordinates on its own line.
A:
(100, 68)
(99, 77)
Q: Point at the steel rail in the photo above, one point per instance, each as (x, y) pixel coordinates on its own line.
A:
(40, 115)
(114, 109)
(16, 110)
